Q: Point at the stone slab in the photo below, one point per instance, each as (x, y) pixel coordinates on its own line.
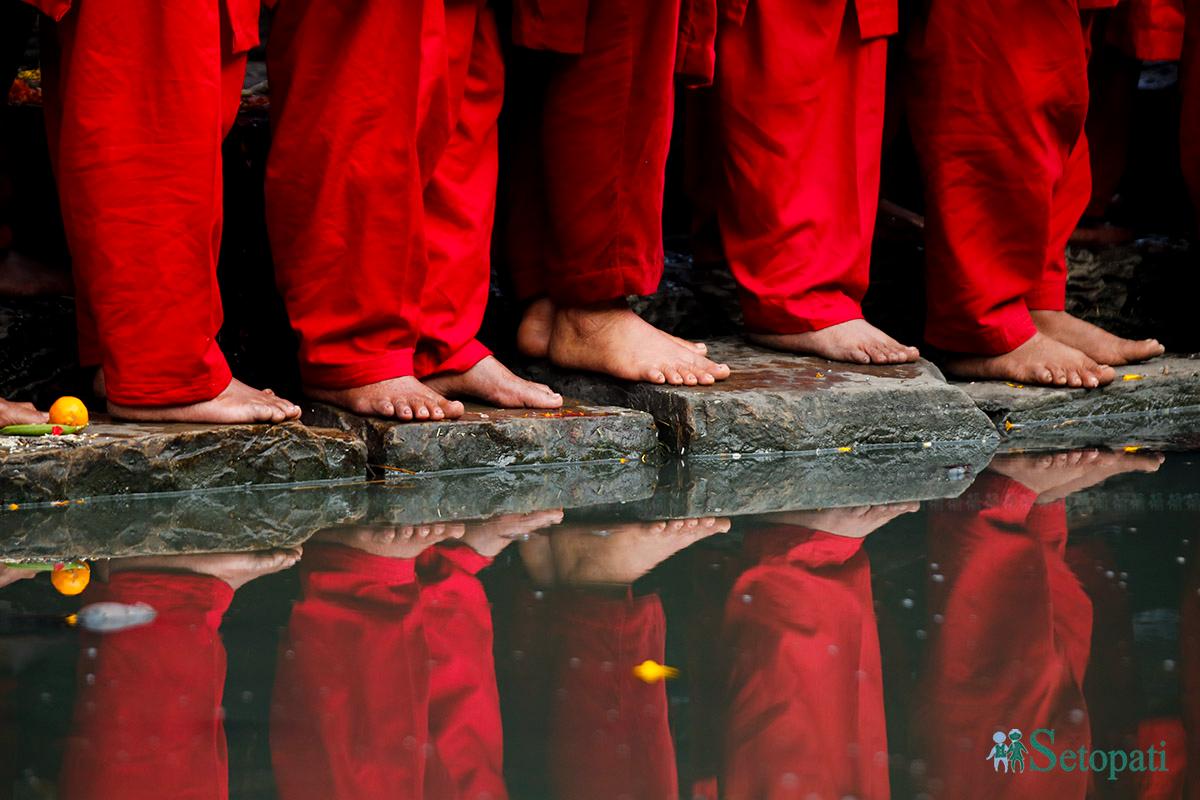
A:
(488, 438)
(228, 520)
(126, 458)
(1155, 401)
(775, 403)
(770, 484)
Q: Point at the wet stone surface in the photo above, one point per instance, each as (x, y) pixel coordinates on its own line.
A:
(776, 402)
(258, 518)
(1150, 401)
(763, 485)
(117, 459)
(491, 438)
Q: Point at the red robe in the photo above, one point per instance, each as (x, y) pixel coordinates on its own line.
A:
(594, 126)
(797, 125)
(386, 685)
(1150, 30)
(148, 721)
(804, 705)
(609, 732)
(137, 106)
(381, 183)
(997, 102)
(1009, 636)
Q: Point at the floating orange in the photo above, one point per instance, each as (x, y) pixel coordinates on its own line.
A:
(71, 579)
(69, 411)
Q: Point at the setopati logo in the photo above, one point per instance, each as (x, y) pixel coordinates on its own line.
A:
(1010, 754)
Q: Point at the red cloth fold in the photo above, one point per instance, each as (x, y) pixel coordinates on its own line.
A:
(148, 721)
(998, 126)
(386, 684)
(1009, 640)
(804, 697)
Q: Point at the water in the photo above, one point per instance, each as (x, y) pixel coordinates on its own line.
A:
(477, 636)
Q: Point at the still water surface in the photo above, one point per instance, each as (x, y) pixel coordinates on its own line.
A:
(859, 652)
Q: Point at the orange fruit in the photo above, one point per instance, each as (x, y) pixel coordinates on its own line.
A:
(70, 580)
(68, 411)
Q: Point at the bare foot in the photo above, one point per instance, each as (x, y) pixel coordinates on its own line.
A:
(1041, 360)
(20, 414)
(99, 385)
(239, 403)
(855, 522)
(588, 554)
(404, 398)
(1096, 343)
(533, 337)
(393, 541)
(10, 575)
(493, 383)
(1054, 476)
(615, 341)
(236, 569)
(489, 537)
(856, 342)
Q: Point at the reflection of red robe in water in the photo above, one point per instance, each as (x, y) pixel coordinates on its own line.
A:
(805, 710)
(609, 733)
(386, 686)
(148, 716)
(1012, 645)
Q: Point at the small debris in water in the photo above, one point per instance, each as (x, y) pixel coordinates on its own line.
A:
(113, 617)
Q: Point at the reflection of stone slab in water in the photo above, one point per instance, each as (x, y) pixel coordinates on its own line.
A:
(127, 458)
(493, 438)
(1156, 430)
(726, 487)
(1143, 403)
(776, 402)
(255, 518)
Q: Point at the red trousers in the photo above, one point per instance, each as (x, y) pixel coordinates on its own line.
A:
(381, 183)
(387, 685)
(148, 721)
(805, 715)
(138, 163)
(609, 732)
(589, 168)
(997, 103)
(799, 123)
(1009, 641)
(1150, 30)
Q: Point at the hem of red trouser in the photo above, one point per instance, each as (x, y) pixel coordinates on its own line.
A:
(984, 342)
(1051, 297)
(396, 364)
(148, 395)
(461, 360)
(795, 324)
(325, 557)
(781, 316)
(571, 286)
